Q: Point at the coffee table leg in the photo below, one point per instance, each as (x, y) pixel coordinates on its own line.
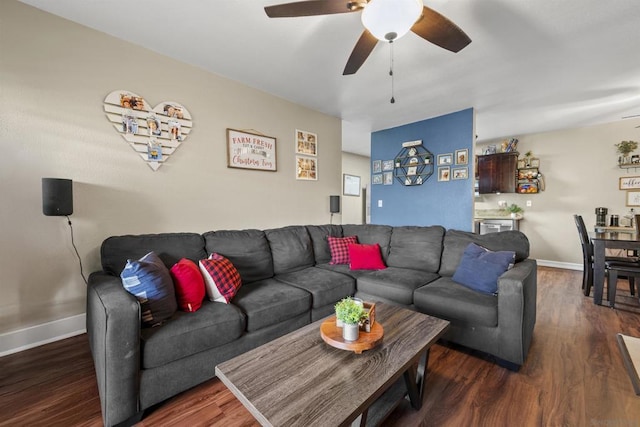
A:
(416, 381)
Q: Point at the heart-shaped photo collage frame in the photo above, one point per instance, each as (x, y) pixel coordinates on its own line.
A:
(154, 133)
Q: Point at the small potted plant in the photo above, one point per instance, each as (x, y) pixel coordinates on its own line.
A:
(351, 313)
(625, 148)
(514, 210)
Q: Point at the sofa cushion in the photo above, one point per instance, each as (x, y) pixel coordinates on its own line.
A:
(248, 251)
(148, 279)
(456, 241)
(221, 278)
(185, 334)
(270, 301)
(170, 247)
(291, 248)
(318, 234)
(325, 286)
(370, 234)
(394, 284)
(189, 285)
(343, 269)
(339, 247)
(449, 300)
(480, 268)
(418, 248)
(365, 257)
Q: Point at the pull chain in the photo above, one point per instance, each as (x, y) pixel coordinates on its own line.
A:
(393, 99)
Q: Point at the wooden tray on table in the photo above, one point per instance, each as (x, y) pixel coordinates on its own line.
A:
(332, 335)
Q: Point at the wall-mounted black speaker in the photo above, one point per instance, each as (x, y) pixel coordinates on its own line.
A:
(57, 196)
(334, 204)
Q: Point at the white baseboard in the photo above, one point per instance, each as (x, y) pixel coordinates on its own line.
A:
(34, 336)
(557, 264)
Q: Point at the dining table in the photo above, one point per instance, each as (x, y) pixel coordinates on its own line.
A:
(606, 238)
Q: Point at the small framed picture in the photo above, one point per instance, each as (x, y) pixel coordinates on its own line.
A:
(462, 157)
(306, 168)
(306, 143)
(377, 166)
(633, 198)
(351, 185)
(534, 162)
(444, 173)
(387, 165)
(387, 178)
(377, 179)
(445, 159)
(460, 173)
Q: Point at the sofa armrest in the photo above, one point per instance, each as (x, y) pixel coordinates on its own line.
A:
(517, 293)
(113, 327)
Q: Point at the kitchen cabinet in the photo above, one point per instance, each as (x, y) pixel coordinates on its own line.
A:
(497, 173)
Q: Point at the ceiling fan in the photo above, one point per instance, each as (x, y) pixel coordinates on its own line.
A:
(384, 20)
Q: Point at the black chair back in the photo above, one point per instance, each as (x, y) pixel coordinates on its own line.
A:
(587, 255)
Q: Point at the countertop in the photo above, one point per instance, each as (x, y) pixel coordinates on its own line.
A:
(495, 214)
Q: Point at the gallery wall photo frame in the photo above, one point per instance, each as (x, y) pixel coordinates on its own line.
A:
(633, 198)
(444, 173)
(445, 159)
(306, 143)
(350, 185)
(306, 168)
(460, 173)
(248, 150)
(376, 166)
(462, 157)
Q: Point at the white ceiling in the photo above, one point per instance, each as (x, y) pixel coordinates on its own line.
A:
(532, 66)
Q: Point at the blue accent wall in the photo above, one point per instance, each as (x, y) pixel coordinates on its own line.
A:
(450, 203)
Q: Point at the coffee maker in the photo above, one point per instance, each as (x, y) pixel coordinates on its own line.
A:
(601, 217)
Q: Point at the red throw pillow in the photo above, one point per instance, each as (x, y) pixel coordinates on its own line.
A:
(365, 257)
(221, 278)
(339, 247)
(189, 284)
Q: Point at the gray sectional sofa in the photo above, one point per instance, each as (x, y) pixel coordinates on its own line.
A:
(287, 282)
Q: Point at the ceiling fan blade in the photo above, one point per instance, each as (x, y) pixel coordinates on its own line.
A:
(310, 8)
(440, 31)
(360, 53)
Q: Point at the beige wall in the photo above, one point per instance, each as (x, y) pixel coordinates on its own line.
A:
(581, 173)
(54, 76)
(353, 208)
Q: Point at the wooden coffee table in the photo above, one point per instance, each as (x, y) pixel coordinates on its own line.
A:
(299, 380)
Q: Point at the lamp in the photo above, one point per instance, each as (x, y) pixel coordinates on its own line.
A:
(389, 20)
(57, 197)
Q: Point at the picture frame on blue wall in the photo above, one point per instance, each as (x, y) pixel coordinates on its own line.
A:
(462, 157)
(376, 166)
(387, 165)
(460, 173)
(387, 178)
(444, 173)
(377, 179)
(445, 159)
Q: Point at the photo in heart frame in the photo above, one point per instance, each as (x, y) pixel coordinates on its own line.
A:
(154, 133)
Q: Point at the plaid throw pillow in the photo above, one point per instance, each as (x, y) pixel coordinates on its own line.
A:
(339, 247)
(221, 278)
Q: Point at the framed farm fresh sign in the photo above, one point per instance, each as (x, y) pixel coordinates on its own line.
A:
(246, 150)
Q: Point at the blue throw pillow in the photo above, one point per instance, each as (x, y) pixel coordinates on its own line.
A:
(480, 268)
(149, 280)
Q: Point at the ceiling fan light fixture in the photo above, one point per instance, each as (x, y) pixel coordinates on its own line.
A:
(388, 20)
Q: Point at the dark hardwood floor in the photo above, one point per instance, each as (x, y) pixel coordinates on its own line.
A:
(574, 376)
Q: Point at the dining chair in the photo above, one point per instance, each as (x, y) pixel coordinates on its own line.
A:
(587, 259)
(615, 269)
